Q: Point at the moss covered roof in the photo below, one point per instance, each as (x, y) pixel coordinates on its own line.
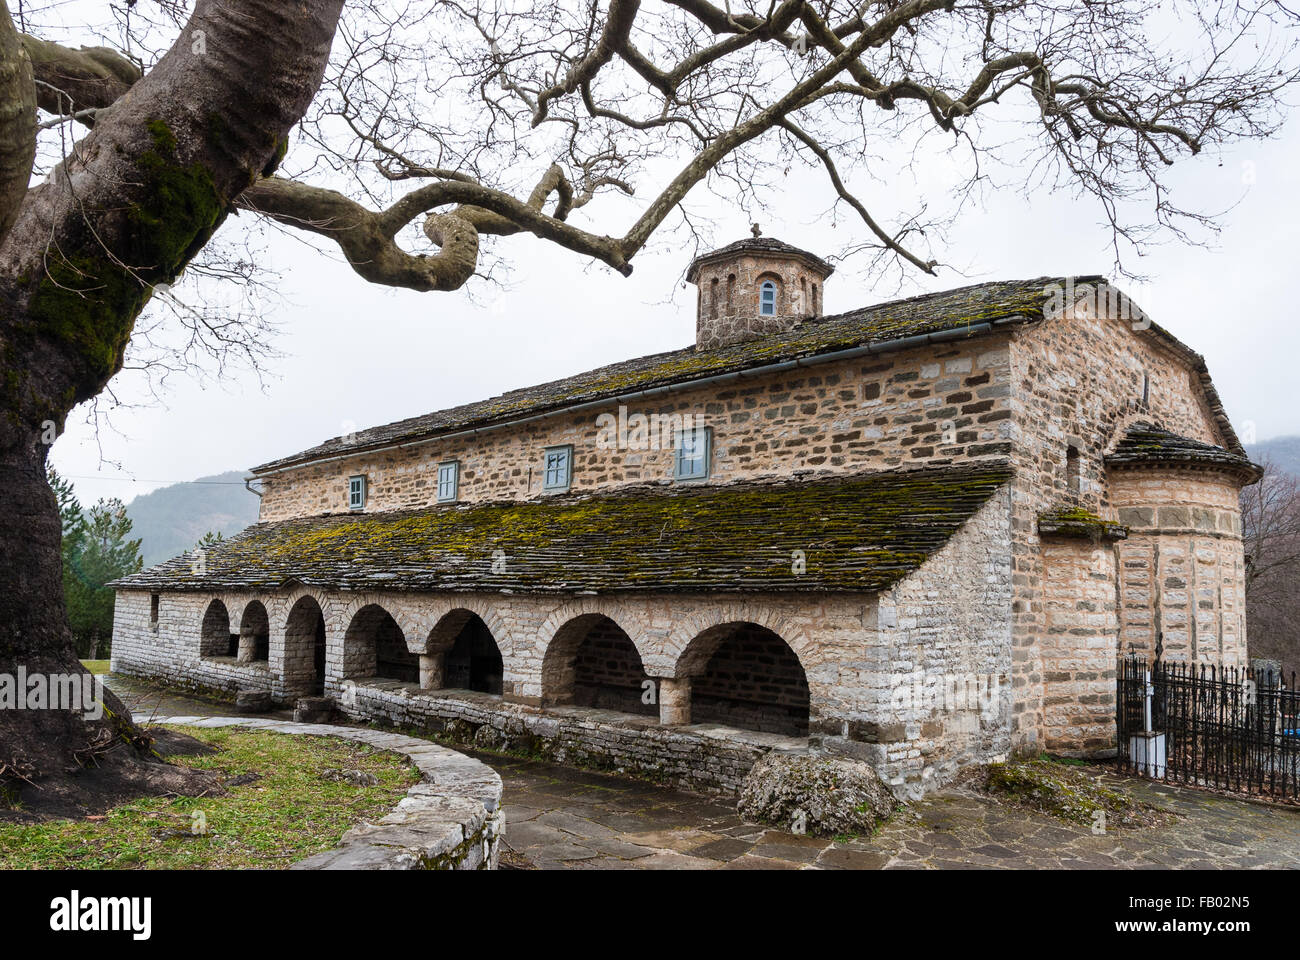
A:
(949, 312)
(1077, 522)
(860, 534)
(1145, 444)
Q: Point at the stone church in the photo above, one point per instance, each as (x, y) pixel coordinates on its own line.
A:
(917, 533)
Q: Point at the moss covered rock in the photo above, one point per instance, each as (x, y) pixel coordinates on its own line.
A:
(824, 796)
(1068, 792)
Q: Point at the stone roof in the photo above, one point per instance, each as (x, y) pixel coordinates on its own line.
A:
(1077, 522)
(759, 245)
(860, 534)
(1146, 444)
(950, 313)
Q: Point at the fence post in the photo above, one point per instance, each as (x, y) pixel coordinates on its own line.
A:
(1147, 747)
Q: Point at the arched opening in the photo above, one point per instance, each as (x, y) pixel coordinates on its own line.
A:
(767, 299)
(216, 640)
(304, 650)
(731, 294)
(713, 299)
(471, 659)
(1072, 472)
(374, 646)
(254, 634)
(744, 675)
(591, 662)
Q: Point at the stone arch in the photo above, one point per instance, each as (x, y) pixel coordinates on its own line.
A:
(592, 662)
(465, 654)
(304, 665)
(743, 674)
(215, 638)
(254, 633)
(429, 628)
(687, 630)
(374, 645)
(628, 620)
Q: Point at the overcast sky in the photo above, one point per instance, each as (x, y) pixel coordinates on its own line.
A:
(354, 352)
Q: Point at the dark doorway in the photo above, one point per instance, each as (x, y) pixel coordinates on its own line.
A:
(474, 662)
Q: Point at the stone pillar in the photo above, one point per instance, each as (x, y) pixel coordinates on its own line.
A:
(247, 644)
(674, 701)
(431, 671)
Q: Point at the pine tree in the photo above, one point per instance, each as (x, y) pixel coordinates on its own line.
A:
(105, 555)
(209, 540)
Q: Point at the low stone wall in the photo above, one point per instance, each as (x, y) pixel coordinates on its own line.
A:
(451, 820)
(700, 757)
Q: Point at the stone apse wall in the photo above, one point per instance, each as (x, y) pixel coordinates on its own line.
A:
(1183, 566)
(879, 671)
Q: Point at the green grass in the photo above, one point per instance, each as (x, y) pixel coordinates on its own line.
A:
(96, 666)
(290, 813)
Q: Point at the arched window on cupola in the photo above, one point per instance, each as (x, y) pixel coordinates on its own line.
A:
(767, 299)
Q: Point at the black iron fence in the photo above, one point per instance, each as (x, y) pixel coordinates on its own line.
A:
(1230, 728)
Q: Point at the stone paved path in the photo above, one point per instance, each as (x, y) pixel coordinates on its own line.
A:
(558, 817)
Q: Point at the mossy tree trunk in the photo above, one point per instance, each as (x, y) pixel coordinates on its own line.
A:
(79, 257)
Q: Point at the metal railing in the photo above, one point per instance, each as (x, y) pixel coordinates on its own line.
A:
(1230, 728)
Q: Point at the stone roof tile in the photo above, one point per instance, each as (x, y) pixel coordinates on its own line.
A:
(861, 534)
(1146, 444)
(760, 245)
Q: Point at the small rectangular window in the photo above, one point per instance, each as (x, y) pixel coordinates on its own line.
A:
(448, 481)
(356, 493)
(694, 450)
(557, 468)
(153, 611)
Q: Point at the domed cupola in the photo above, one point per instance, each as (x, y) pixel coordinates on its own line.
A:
(755, 287)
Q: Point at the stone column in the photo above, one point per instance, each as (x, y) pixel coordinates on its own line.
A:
(247, 644)
(674, 701)
(431, 671)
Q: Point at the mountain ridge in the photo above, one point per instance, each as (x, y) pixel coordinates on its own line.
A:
(171, 519)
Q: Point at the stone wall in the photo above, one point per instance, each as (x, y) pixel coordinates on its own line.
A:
(1182, 569)
(1077, 649)
(948, 619)
(1082, 379)
(932, 693)
(907, 408)
(728, 301)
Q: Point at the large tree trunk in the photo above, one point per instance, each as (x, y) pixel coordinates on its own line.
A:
(138, 197)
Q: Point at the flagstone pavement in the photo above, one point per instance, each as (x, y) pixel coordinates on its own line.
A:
(561, 818)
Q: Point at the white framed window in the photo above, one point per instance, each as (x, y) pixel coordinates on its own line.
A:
(694, 453)
(356, 493)
(448, 481)
(767, 299)
(557, 468)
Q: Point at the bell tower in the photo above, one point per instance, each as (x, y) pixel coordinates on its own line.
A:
(754, 287)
